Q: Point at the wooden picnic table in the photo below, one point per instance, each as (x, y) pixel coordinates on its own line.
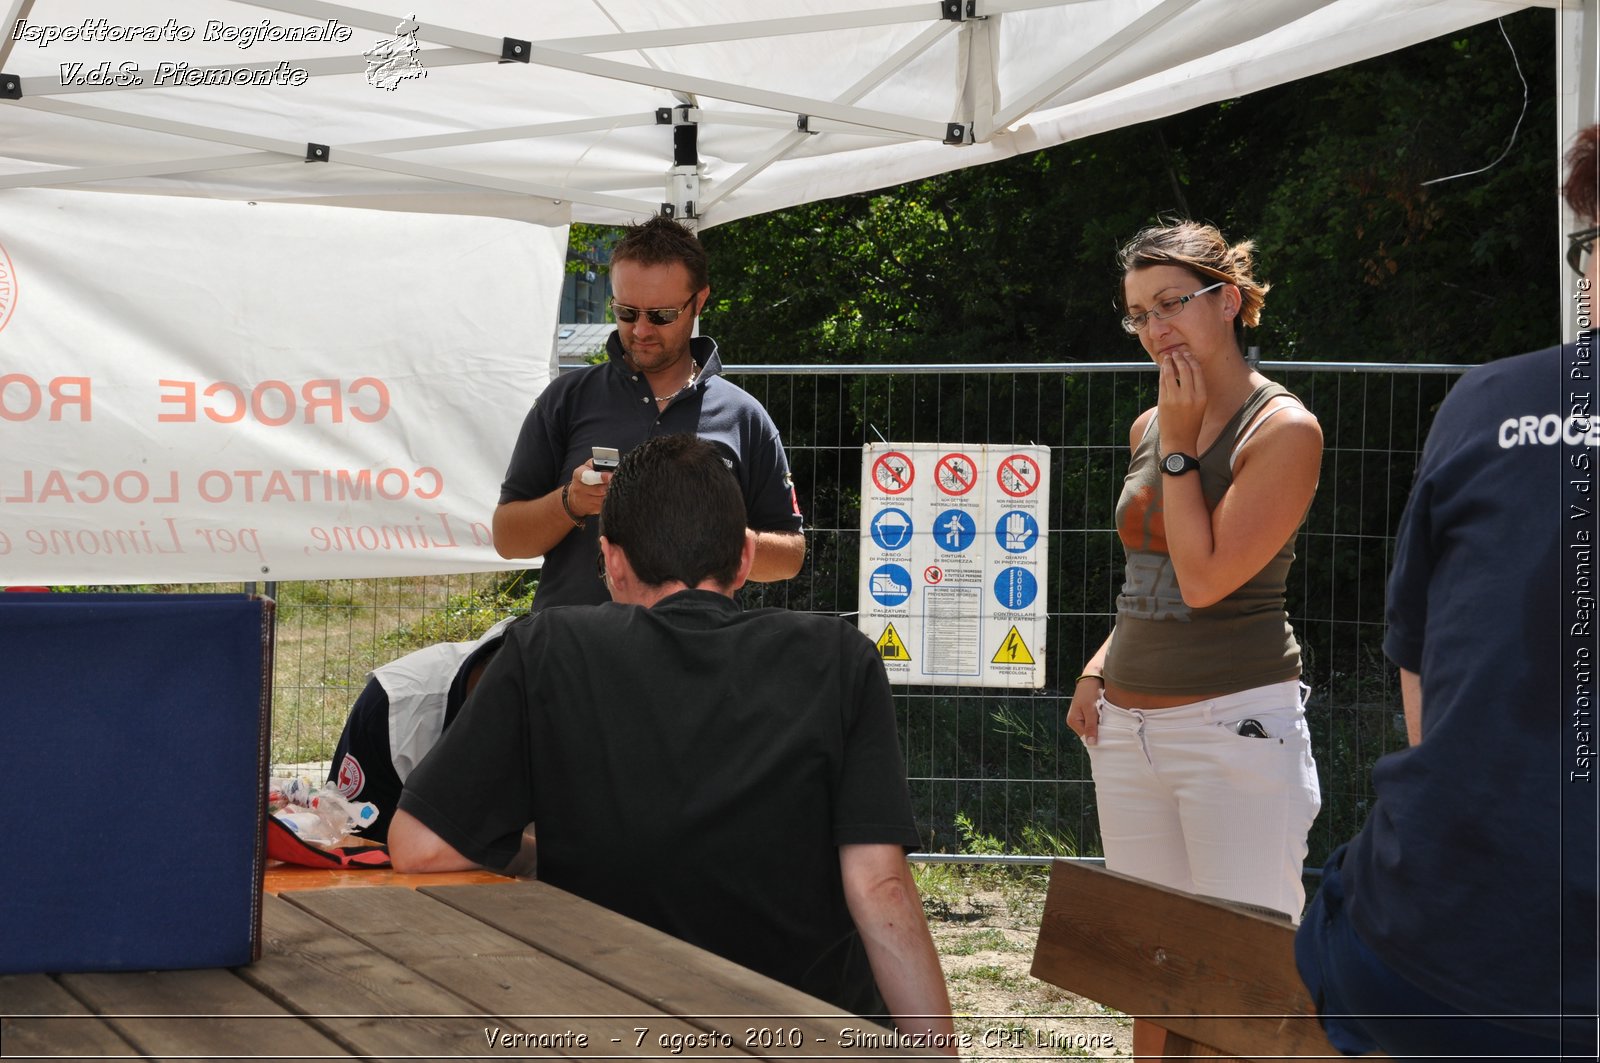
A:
(487, 969)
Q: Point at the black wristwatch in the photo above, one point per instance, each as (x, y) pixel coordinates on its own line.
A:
(1176, 464)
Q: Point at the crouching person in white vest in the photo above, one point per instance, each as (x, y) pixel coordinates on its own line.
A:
(400, 714)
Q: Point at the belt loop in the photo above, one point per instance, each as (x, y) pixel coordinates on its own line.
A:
(1138, 732)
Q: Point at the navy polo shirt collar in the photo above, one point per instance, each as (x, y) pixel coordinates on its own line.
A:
(703, 349)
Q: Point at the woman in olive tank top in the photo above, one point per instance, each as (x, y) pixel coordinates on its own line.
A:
(1192, 709)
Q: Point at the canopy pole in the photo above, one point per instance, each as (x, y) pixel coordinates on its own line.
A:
(683, 179)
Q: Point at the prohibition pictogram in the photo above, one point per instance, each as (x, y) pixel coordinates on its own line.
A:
(1018, 475)
(933, 573)
(893, 473)
(956, 474)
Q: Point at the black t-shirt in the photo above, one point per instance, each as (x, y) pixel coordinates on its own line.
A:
(691, 766)
(1474, 875)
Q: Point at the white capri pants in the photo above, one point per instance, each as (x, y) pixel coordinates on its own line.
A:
(1188, 802)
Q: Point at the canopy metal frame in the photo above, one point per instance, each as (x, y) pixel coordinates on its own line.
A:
(799, 116)
(978, 112)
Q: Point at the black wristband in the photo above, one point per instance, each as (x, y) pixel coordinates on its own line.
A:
(577, 521)
(1176, 464)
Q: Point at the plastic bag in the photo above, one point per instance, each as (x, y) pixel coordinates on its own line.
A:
(318, 814)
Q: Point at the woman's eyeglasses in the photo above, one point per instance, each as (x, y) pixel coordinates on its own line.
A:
(1165, 309)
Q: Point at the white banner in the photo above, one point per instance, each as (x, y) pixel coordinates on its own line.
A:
(201, 391)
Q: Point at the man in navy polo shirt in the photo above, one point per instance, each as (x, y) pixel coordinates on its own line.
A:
(658, 379)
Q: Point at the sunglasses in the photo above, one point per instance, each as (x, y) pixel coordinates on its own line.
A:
(1579, 244)
(661, 315)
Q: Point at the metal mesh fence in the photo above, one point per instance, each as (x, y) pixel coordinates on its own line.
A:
(993, 770)
(990, 770)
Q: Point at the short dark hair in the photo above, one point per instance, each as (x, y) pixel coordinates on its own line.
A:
(1583, 178)
(675, 509)
(660, 241)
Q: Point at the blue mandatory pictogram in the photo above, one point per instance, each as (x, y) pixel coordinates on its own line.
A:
(1016, 588)
(954, 530)
(889, 584)
(891, 529)
(1016, 531)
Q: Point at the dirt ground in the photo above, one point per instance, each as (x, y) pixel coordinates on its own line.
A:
(984, 922)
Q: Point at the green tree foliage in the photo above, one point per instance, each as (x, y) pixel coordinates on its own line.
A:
(1374, 264)
(1014, 261)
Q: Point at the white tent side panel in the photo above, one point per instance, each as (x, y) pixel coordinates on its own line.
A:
(212, 391)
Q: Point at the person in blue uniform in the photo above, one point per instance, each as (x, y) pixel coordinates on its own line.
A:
(1460, 922)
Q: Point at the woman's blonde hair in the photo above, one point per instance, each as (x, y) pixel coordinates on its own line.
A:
(1201, 250)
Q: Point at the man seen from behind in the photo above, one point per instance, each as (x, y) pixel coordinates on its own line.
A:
(731, 778)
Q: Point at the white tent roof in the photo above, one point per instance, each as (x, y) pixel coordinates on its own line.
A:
(582, 122)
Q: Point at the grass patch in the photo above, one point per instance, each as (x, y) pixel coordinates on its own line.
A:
(993, 973)
(984, 940)
(331, 633)
(984, 924)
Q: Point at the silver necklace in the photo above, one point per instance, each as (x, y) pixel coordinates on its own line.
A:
(694, 374)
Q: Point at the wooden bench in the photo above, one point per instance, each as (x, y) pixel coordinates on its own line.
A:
(1219, 978)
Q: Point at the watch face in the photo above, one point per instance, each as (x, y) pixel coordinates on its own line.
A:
(1177, 463)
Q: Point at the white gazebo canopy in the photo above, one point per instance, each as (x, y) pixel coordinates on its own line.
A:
(604, 110)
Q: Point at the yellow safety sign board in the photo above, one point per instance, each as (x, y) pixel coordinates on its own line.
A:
(891, 647)
(1013, 650)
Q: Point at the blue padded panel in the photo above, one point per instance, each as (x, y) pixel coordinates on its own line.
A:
(134, 753)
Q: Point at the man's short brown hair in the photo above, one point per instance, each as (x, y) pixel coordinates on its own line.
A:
(660, 241)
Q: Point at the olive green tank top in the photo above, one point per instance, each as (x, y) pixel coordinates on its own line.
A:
(1163, 646)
